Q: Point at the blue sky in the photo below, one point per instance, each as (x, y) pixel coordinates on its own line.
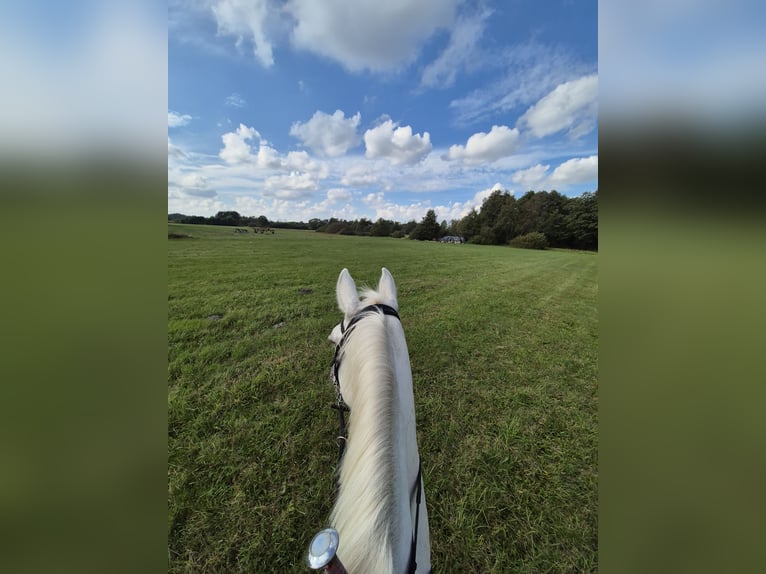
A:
(305, 109)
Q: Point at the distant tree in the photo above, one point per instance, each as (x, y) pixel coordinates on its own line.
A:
(382, 228)
(552, 218)
(316, 223)
(582, 221)
(226, 218)
(409, 227)
(197, 219)
(470, 225)
(428, 228)
(531, 209)
(362, 227)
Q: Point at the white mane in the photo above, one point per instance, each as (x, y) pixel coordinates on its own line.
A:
(366, 503)
(373, 514)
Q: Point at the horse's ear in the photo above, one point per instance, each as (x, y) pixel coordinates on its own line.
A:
(345, 291)
(387, 289)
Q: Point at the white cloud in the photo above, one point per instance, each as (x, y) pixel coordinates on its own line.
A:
(328, 135)
(359, 176)
(235, 101)
(195, 184)
(576, 170)
(528, 72)
(368, 34)
(398, 145)
(459, 53)
(292, 186)
(177, 120)
(247, 19)
(416, 210)
(532, 177)
(267, 157)
(571, 106)
(182, 203)
(571, 172)
(235, 146)
(389, 210)
(193, 180)
(237, 150)
(301, 161)
(501, 141)
(338, 194)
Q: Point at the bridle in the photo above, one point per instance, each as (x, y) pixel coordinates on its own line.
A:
(343, 408)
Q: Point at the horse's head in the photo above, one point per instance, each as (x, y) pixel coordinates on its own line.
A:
(349, 302)
(379, 477)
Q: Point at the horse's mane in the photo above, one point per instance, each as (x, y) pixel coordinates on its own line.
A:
(366, 503)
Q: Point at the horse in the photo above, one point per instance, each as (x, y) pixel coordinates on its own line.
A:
(380, 511)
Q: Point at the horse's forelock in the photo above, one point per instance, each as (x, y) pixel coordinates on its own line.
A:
(372, 297)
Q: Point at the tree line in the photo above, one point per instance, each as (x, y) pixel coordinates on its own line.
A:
(538, 218)
(234, 219)
(570, 222)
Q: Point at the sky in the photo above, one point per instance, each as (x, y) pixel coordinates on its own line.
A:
(301, 109)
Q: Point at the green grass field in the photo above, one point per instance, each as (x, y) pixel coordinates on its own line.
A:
(503, 347)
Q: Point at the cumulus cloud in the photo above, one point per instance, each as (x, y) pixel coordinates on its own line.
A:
(571, 106)
(179, 202)
(396, 212)
(576, 170)
(301, 161)
(267, 157)
(368, 34)
(416, 210)
(571, 172)
(177, 120)
(235, 146)
(532, 177)
(292, 186)
(459, 53)
(328, 135)
(247, 20)
(359, 176)
(398, 144)
(195, 184)
(501, 141)
(237, 151)
(338, 194)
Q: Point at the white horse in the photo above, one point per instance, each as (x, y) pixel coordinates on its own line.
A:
(376, 511)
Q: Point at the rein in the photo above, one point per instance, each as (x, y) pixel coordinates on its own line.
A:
(343, 408)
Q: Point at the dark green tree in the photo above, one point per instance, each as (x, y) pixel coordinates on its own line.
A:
(582, 221)
(427, 229)
(226, 218)
(470, 225)
(382, 228)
